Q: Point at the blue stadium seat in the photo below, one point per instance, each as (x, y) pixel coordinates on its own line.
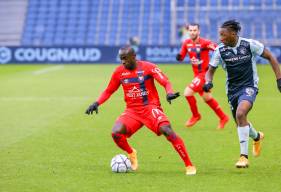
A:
(74, 22)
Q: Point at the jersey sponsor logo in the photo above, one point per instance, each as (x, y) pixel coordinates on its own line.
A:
(196, 61)
(237, 58)
(126, 81)
(250, 91)
(125, 73)
(136, 93)
(140, 72)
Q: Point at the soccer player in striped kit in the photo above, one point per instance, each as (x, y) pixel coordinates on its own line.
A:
(237, 56)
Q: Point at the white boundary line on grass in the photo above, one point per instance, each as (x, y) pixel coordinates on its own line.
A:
(48, 69)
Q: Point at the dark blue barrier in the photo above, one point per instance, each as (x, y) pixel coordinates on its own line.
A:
(92, 55)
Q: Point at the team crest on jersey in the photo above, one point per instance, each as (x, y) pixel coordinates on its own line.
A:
(141, 78)
(243, 50)
(250, 91)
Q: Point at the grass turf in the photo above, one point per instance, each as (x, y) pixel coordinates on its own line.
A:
(47, 143)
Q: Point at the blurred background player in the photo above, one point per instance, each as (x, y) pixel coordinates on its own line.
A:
(198, 51)
(238, 58)
(183, 33)
(143, 105)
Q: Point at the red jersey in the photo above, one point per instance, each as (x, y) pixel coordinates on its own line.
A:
(138, 85)
(198, 53)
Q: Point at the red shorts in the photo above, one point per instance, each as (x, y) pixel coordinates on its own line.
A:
(197, 84)
(151, 116)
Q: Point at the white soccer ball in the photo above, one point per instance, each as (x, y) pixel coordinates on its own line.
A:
(120, 164)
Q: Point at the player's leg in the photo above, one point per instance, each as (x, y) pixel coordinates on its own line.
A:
(210, 100)
(124, 127)
(155, 119)
(179, 146)
(120, 138)
(249, 94)
(191, 100)
(244, 128)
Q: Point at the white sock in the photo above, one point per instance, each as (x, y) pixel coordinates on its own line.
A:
(243, 134)
(253, 133)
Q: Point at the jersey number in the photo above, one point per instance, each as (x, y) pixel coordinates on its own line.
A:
(196, 81)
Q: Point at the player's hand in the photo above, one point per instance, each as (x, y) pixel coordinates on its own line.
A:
(92, 108)
(178, 57)
(279, 84)
(208, 86)
(171, 96)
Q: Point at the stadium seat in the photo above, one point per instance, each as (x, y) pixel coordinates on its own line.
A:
(112, 21)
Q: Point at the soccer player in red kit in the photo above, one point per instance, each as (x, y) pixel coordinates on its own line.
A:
(142, 105)
(198, 50)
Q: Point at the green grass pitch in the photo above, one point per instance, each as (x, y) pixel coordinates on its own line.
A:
(47, 143)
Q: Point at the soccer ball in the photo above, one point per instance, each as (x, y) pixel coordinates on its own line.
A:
(120, 164)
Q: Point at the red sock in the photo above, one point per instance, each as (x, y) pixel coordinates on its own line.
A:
(180, 148)
(121, 141)
(216, 108)
(193, 106)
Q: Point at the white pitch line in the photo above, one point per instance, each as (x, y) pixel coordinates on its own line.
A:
(48, 69)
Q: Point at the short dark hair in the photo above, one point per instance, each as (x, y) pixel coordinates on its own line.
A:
(128, 49)
(195, 24)
(233, 25)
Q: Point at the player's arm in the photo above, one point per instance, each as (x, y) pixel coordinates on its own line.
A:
(163, 80)
(181, 55)
(211, 45)
(274, 64)
(111, 88)
(258, 48)
(215, 61)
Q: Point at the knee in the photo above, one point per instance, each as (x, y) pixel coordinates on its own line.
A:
(166, 130)
(188, 92)
(118, 128)
(207, 97)
(240, 115)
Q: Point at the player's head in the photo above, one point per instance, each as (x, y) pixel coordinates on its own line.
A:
(127, 56)
(229, 32)
(194, 30)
